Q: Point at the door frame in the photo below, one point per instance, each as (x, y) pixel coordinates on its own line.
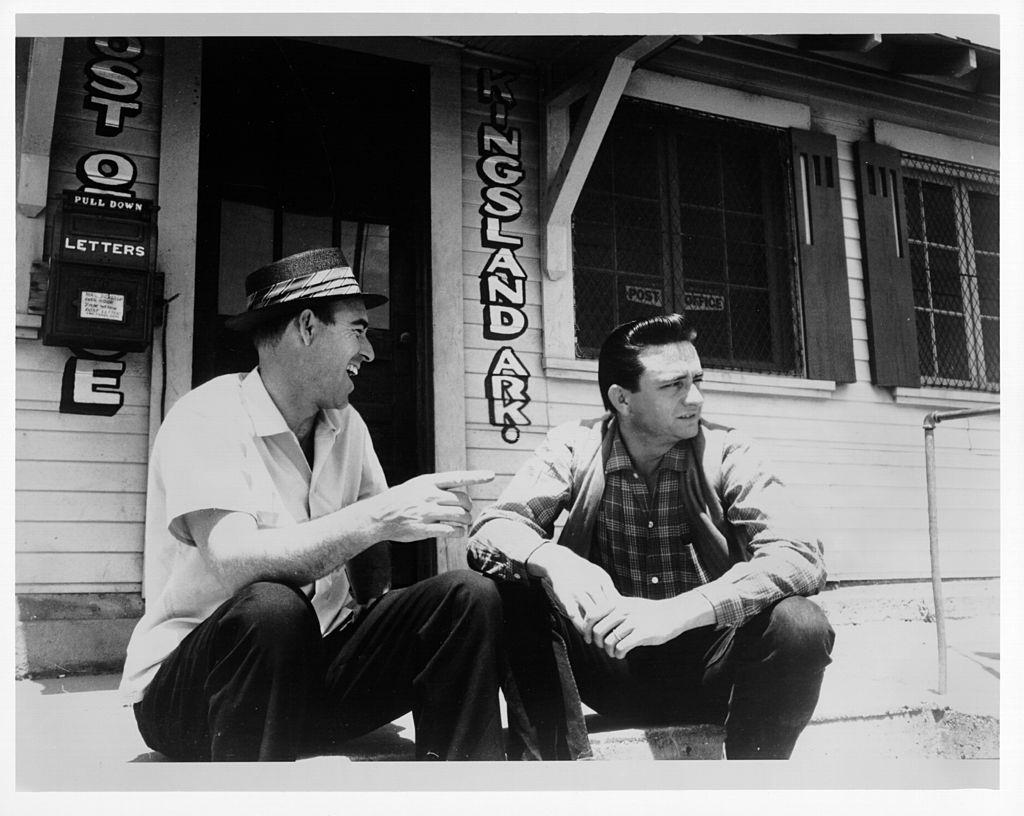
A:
(444, 369)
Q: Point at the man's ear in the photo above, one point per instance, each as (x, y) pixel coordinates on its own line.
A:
(619, 398)
(306, 322)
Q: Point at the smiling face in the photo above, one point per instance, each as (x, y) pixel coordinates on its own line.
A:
(339, 350)
(666, 406)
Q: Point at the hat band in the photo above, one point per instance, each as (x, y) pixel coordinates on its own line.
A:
(324, 283)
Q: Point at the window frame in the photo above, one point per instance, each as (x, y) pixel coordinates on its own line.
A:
(777, 229)
(961, 187)
(558, 312)
(957, 150)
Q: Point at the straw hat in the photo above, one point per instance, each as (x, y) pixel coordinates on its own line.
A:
(289, 285)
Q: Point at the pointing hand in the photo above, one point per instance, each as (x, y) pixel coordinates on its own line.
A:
(429, 505)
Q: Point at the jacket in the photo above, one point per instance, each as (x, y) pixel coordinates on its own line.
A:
(754, 546)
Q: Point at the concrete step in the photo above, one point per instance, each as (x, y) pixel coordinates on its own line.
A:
(879, 701)
(701, 741)
(908, 601)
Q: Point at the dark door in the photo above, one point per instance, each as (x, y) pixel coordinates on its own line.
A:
(305, 145)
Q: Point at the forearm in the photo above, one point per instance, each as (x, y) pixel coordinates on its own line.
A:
(240, 553)
(422, 507)
(690, 610)
(550, 557)
(775, 572)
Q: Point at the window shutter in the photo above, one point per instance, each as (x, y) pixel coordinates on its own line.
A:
(828, 334)
(887, 276)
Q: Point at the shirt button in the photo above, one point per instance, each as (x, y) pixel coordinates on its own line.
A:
(635, 476)
(516, 576)
(650, 525)
(654, 579)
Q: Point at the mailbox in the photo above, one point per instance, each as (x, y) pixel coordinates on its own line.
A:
(103, 283)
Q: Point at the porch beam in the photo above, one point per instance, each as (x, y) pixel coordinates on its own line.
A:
(858, 43)
(577, 86)
(566, 182)
(952, 61)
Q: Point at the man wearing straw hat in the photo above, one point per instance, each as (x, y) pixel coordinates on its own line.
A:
(264, 488)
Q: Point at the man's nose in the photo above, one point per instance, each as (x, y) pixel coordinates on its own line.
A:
(694, 396)
(366, 348)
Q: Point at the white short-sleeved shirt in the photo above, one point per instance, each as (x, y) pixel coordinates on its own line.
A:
(226, 446)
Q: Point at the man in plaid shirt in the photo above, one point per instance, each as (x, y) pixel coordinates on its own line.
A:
(681, 570)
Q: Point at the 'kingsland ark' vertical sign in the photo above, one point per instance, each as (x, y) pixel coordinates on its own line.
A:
(502, 280)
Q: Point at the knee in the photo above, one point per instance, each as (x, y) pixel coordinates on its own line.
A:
(474, 595)
(274, 616)
(800, 633)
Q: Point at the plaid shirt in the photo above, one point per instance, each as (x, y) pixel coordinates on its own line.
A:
(645, 545)
(639, 546)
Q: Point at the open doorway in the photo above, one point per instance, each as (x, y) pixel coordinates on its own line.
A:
(305, 145)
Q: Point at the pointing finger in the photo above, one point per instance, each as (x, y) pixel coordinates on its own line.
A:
(462, 478)
(450, 497)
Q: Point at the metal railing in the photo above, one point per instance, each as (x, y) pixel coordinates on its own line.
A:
(930, 421)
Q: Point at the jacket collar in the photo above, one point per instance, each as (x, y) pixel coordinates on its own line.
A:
(618, 457)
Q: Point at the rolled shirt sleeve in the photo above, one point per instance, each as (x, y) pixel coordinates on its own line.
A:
(506, 534)
(199, 466)
(785, 555)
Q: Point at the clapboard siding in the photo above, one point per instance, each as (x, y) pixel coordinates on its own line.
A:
(103, 477)
(851, 232)
(474, 314)
(471, 201)
(67, 153)
(40, 385)
(43, 416)
(78, 138)
(70, 107)
(80, 480)
(537, 389)
(33, 356)
(78, 54)
(60, 446)
(70, 569)
(529, 249)
(474, 262)
(40, 588)
(82, 536)
(51, 505)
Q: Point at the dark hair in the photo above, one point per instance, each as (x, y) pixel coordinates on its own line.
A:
(271, 331)
(619, 360)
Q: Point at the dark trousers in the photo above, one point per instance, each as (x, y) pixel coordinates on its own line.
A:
(762, 680)
(256, 681)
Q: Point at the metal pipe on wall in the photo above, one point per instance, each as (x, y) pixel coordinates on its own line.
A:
(930, 421)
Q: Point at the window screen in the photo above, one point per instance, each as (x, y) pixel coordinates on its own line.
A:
(689, 213)
(953, 238)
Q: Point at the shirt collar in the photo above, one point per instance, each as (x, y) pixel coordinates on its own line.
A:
(619, 459)
(266, 418)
